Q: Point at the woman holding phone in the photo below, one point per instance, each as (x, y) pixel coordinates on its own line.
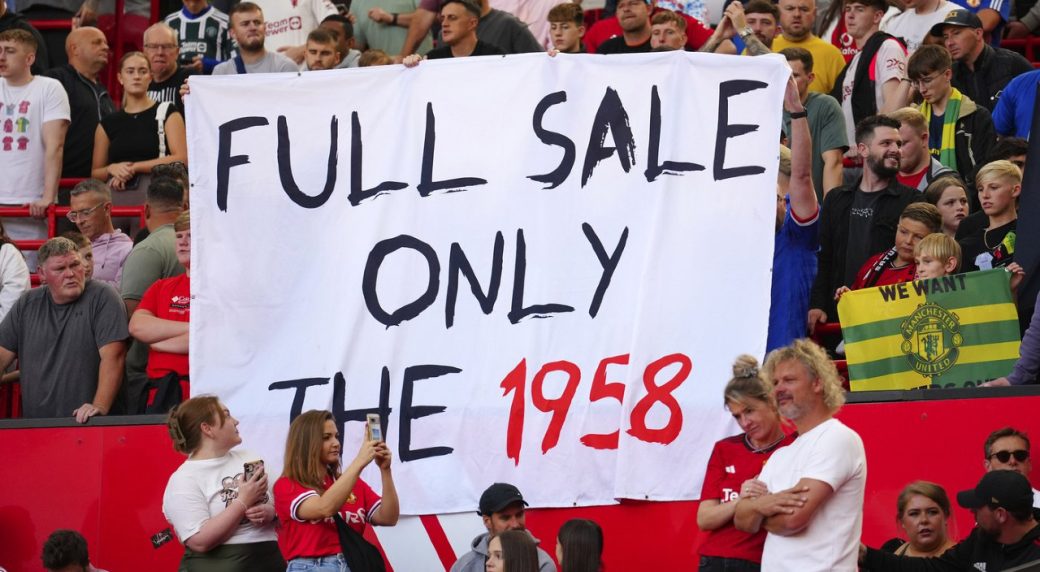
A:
(224, 519)
(312, 491)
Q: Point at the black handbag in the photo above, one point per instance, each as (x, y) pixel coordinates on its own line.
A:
(360, 554)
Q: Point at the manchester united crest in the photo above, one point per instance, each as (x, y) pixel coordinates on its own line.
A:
(931, 338)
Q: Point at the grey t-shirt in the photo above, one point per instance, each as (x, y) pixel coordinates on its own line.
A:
(827, 128)
(506, 32)
(154, 258)
(57, 346)
(861, 220)
(272, 62)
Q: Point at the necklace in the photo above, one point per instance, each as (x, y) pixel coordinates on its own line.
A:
(754, 449)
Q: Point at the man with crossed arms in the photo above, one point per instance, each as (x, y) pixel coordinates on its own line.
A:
(815, 514)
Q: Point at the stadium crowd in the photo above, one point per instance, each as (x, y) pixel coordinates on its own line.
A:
(905, 129)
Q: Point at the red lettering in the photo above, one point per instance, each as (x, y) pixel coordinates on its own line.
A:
(559, 406)
(601, 389)
(515, 382)
(660, 394)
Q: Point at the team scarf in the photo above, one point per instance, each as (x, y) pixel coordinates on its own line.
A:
(947, 153)
(870, 279)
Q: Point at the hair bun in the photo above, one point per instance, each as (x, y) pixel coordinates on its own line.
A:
(745, 367)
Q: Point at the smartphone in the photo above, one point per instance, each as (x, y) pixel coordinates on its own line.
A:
(251, 468)
(374, 426)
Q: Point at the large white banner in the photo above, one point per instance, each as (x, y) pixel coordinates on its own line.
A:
(537, 270)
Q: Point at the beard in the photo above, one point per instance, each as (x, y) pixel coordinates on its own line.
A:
(880, 169)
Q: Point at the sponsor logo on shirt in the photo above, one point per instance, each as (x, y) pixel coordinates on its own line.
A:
(284, 25)
(193, 47)
(729, 495)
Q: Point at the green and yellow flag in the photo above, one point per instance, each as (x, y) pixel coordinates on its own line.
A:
(954, 331)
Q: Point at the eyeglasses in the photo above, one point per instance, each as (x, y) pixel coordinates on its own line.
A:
(74, 216)
(921, 82)
(160, 47)
(1021, 455)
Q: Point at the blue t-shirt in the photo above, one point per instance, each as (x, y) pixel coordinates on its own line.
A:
(794, 269)
(1013, 115)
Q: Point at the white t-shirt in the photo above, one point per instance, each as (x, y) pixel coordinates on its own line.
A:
(23, 111)
(832, 453)
(1036, 498)
(289, 21)
(913, 27)
(201, 489)
(889, 63)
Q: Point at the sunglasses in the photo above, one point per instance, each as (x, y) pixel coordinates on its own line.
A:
(1020, 455)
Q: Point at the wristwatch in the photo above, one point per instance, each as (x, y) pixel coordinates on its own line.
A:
(747, 31)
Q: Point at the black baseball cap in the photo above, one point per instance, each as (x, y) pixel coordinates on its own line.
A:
(960, 17)
(1007, 489)
(497, 497)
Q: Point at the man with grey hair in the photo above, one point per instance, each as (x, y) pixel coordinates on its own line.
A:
(814, 508)
(91, 204)
(163, 51)
(69, 337)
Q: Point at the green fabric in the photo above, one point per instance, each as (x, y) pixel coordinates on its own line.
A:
(252, 557)
(947, 152)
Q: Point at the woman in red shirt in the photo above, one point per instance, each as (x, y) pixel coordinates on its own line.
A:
(733, 470)
(312, 489)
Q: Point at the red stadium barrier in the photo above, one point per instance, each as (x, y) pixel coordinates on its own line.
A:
(48, 25)
(107, 482)
(1025, 46)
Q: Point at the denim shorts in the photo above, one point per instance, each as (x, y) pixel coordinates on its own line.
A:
(334, 563)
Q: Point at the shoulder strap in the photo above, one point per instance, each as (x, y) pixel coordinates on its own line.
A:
(240, 66)
(160, 121)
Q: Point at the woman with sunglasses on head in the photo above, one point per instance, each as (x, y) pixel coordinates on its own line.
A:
(313, 493)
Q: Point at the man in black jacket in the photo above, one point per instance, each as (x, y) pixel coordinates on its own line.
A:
(1006, 534)
(980, 71)
(860, 219)
(87, 49)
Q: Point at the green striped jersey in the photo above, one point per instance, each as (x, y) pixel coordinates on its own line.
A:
(204, 34)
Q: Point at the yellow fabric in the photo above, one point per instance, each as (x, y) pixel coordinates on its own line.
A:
(827, 60)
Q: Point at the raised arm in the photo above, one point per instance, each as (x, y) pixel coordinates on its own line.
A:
(420, 24)
(326, 504)
(390, 508)
(803, 195)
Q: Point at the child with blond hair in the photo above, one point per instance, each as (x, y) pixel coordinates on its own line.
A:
(937, 255)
